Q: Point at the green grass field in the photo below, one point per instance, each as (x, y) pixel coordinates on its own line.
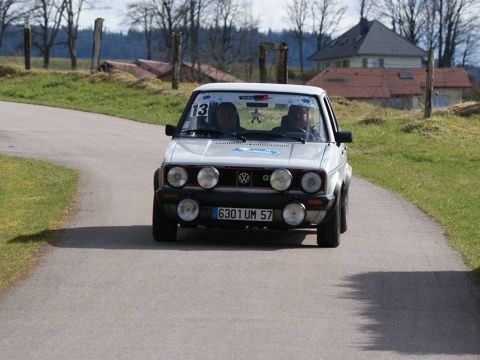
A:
(433, 163)
(120, 95)
(33, 197)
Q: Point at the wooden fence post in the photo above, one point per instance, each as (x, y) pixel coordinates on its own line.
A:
(281, 51)
(176, 56)
(263, 47)
(27, 44)
(97, 45)
(429, 86)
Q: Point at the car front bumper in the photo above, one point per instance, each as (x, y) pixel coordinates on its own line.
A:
(316, 206)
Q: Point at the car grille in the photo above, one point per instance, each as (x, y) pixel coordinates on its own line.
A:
(243, 177)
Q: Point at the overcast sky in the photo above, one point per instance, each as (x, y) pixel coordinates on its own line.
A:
(271, 14)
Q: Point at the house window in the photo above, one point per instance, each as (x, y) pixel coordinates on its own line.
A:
(381, 62)
(346, 63)
(338, 64)
(365, 62)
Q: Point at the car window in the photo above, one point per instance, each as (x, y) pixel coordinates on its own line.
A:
(272, 116)
(332, 113)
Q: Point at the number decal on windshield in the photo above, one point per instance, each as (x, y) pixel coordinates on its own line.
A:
(199, 109)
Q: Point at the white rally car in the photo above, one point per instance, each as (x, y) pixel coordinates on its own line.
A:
(255, 156)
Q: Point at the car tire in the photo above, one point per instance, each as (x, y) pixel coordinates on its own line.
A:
(328, 232)
(344, 223)
(164, 229)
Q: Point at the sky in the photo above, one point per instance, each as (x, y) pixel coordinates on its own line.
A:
(271, 14)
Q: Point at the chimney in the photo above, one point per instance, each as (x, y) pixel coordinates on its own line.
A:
(363, 26)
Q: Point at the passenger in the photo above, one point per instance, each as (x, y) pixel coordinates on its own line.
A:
(228, 120)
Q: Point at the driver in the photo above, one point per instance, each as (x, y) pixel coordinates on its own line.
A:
(227, 118)
(297, 118)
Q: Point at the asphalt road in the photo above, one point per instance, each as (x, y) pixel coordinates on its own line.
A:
(106, 290)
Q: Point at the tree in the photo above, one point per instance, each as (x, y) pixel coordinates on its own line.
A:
(73, 10)
(326, 15)
(223, 31)
(365, 6)
(143, 14)
(167, 19)
(195, 17)
(405, 17)
(297, 12)
(12, 11)
(48, 15)
(455, 17)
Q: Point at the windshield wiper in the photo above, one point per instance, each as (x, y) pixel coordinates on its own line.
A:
(212, 132)
(272, 135)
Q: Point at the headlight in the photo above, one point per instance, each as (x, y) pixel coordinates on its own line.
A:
(293, 213)
(208, 177)
(311, 182)
(281, 179)
(188, 209)
(177, 176)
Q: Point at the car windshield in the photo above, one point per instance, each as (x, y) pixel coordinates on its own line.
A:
(251, 115)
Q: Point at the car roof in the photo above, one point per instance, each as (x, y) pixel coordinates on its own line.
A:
(262, 87)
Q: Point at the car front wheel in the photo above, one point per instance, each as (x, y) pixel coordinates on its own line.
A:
(164, 229)
(328, 232)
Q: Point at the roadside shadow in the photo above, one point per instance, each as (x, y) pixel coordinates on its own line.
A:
(140, 237)
(418, 312)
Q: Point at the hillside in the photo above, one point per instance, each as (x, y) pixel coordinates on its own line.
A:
(433, 163)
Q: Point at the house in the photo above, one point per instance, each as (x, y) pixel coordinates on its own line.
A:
(369, 44)
(394, 87)
(161, 70)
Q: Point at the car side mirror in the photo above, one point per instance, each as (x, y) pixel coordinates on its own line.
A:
(343, 137)
(170, 130)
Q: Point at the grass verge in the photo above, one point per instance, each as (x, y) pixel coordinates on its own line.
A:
(433, 163)
(119, 94)
(33, 197)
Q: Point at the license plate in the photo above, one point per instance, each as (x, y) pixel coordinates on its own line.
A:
(242, 214)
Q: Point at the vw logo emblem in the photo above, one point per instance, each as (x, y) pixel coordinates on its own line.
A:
(244, 178)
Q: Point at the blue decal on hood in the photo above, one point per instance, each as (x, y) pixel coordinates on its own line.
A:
(257, 151)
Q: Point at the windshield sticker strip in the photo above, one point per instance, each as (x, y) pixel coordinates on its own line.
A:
(262, 151)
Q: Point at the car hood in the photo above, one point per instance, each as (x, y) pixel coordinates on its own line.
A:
(239, 153)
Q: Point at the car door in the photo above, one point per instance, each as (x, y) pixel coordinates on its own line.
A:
(341, 148)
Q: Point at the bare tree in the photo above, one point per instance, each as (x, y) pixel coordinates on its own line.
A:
(195, 19)
(365, 6)
(12, 11)
(48, 15)
(326, 15)
(455, 17)
(248, 47)
(73, 10)
(405, 17)
(142, 14)
(223, 31)
(167, 19)
(297, 12)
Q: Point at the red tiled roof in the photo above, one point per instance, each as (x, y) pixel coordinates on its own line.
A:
(386, 82)
(214, 74)
(157, 67)
(126, 67)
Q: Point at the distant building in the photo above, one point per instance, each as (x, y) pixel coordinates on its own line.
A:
(369, 44)
(161, 70)
(395, 87)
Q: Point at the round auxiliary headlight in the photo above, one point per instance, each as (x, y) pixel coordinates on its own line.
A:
(311, 182)
(293, 214)
(208, 177)
(281, 179)
(177, 176)
(188, 209)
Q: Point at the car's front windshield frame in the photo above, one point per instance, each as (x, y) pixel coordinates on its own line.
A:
(180, 133)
